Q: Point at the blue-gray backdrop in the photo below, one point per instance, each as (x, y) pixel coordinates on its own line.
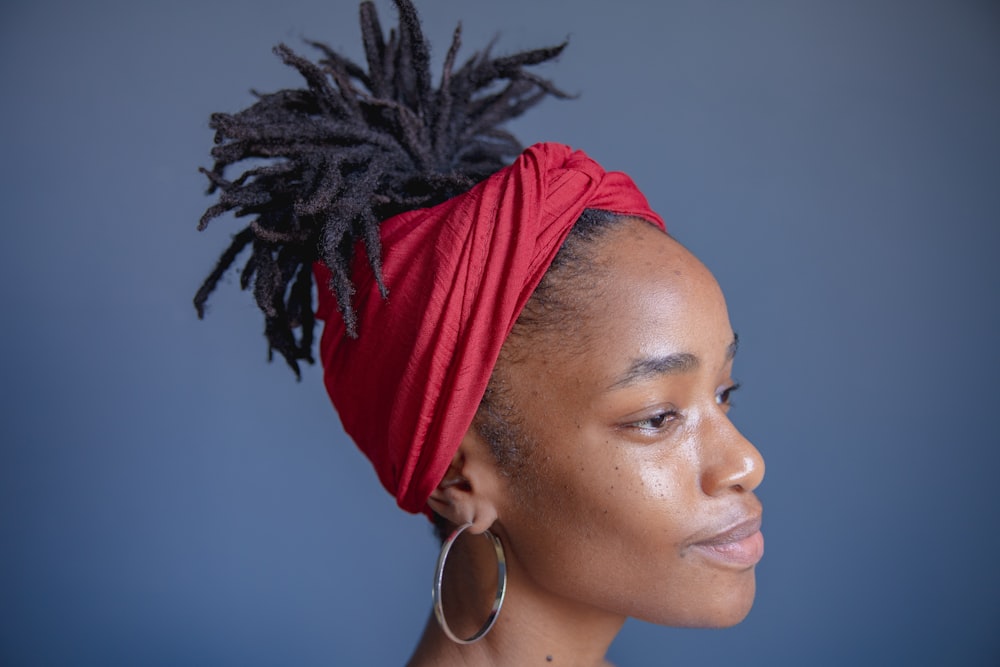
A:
(169, 498)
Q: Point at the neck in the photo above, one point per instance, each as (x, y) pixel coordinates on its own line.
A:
(534, 625)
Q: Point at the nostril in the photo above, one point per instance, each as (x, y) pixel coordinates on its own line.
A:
(736, 470)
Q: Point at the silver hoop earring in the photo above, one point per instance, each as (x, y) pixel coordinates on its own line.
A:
(497, 601)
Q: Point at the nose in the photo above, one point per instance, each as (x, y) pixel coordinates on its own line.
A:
(730, 461)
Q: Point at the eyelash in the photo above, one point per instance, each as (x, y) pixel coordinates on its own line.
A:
(657, 423)
(661, 421)
(725, 396)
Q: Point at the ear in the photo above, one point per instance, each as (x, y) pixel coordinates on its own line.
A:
(469, 491)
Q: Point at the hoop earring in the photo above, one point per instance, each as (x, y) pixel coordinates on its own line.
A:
(497, 601)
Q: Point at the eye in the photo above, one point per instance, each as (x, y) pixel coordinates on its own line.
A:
(658, 422)
(725, 397)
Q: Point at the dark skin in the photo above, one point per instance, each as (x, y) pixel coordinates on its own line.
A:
(636, 498)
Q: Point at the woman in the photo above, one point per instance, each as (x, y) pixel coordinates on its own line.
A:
(522, 351)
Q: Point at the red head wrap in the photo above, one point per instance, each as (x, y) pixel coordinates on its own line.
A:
(408, 387)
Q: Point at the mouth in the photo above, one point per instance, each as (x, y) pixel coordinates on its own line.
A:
(740, 547)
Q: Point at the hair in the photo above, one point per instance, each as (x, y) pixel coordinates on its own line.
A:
(332, 160)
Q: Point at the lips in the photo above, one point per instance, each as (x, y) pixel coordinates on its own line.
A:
(740, 546)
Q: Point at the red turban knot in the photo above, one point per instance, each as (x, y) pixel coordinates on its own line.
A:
(407, 388)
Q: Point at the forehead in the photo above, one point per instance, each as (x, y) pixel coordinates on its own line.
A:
(653, 296)
(644, 295)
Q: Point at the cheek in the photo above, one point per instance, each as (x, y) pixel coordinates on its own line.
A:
(609, 514)
(670, 479)
(592, 483)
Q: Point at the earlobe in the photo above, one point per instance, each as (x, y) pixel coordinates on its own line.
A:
(466, 493)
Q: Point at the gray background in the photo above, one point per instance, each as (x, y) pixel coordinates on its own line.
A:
(169, 498)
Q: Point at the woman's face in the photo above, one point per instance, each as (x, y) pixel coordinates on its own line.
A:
(636, 496)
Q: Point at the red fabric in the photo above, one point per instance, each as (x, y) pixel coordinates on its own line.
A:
(458, 276)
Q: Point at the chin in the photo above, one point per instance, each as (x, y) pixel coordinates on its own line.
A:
(717, 609)
(730, 607)
(734, 617)
(713, 619)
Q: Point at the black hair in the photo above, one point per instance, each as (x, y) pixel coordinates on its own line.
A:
(334, 159)
(349, 150)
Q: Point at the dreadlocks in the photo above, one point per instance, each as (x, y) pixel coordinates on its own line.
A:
(350, 150)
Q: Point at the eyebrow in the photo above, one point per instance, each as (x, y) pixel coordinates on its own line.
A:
(650, 367)
(733, 347)
(669, 364)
